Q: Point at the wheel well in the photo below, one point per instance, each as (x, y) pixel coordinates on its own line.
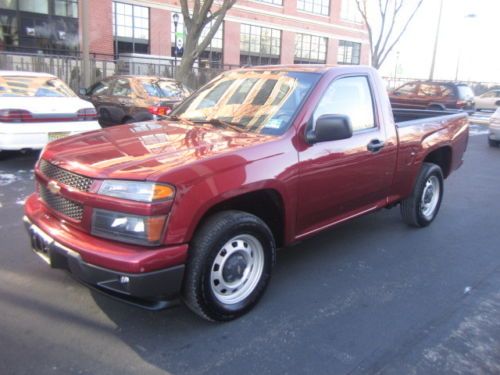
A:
(438, 107)
(265, 204)
(441, 157)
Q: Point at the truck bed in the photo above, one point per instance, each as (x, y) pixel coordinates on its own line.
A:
(409, 117)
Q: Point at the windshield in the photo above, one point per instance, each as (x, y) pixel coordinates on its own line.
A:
(465, 92)
(25, 86)
(254, 101)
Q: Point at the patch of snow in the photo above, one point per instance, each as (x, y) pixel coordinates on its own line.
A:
(7, 179)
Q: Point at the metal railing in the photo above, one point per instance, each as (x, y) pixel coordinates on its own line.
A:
(69, 67)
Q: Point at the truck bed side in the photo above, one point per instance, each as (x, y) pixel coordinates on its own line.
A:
(437, 136)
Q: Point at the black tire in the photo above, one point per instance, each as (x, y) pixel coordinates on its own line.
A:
(198, 293)
(435, 107)
(412, 211)
(493, 143)
(105, 118)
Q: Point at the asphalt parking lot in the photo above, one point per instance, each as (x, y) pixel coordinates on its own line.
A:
(370, 296)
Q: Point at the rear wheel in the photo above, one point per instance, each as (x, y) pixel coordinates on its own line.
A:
(493, 143)
(422, 206)
(229, 265)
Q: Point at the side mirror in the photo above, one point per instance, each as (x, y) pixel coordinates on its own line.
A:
(82, 92)
(330, 128)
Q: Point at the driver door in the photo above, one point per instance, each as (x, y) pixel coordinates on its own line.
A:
(342, 178)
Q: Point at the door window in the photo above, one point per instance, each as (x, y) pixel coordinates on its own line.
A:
(428, 90)
(121, 88)
(407, 89)
(349, 96)
(100, 88)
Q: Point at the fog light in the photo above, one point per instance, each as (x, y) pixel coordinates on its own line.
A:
(124, 280)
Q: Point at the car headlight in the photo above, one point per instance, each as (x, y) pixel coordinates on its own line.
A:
(140, 230)
(137, 190)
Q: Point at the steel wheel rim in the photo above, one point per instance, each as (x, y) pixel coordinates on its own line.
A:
(237, 269)
(430, 197)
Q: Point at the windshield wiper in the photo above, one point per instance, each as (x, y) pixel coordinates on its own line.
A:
(218, 122)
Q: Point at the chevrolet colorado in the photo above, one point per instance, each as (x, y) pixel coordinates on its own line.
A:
(195, 206)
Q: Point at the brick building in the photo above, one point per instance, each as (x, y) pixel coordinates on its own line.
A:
(254, 32)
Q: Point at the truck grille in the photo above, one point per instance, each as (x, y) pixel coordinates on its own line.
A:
(60, 204)
(65, 177)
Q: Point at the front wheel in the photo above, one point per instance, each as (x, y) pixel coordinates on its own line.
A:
(229, 266)
(422, 206)
(493, 143)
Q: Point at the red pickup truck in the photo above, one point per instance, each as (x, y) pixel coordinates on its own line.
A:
(195, 206)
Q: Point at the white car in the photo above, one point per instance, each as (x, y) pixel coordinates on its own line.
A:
(494, 129)
(36, 108)
(488, 100)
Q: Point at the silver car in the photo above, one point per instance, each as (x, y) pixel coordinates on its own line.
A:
(494, 134)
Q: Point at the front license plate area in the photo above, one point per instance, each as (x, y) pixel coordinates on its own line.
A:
(57, 135)
(40, 243)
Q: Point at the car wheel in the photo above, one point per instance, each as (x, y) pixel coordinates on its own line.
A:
(493, 143)
(422, 206)
(229, 265)
(105, 118)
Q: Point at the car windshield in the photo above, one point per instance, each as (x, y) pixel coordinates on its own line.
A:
(26, 86)
(173, 89)
(253, 101)
(163, 88)
(465, 92)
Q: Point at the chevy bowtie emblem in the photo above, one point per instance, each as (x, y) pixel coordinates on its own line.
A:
(53, 187)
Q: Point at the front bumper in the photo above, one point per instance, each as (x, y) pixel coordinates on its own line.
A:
(152, 290)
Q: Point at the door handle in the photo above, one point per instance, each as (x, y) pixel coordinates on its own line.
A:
(375, 145)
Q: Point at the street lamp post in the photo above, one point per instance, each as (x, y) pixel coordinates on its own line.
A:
(460, 48)
(176, 21)
(434, 52)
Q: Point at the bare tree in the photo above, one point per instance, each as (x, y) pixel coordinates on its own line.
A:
(383, 40)
(195, 21)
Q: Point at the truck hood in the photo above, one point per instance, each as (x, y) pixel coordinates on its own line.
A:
(136, 151)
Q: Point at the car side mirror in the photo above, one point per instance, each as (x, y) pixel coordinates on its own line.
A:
(83, 92)
(330, 128)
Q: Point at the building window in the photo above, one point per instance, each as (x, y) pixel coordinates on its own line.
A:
(39, 26)
(130, 28)
(274, 2)
(34, 6)
(349, 52)
(66, 8)
(350, 11)
(259, 45)
(309, 49)
(8, 4)
(212, 55)
(314, 6)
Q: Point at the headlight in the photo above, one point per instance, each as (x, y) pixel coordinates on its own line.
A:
(141, 230)
(137, 190)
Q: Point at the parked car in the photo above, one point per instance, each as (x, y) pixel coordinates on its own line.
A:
(128, 99)
(433, 96)
(196, 205)
(494, 129)
(488, 100)
(36, 108)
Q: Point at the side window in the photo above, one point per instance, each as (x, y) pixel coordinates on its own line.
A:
(428, 90)
(409, 88)
(349, 96)
(446, 91)
(100, 88)
(121, 88)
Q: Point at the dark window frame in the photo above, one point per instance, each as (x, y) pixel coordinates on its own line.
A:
(354, 58)
(138, 45)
